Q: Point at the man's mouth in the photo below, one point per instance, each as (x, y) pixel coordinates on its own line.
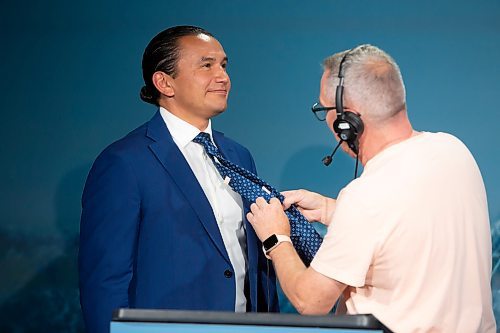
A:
(218, 91)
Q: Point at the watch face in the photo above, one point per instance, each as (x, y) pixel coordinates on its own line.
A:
(270, 242)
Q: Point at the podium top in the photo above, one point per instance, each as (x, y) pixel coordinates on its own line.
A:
(362, 321)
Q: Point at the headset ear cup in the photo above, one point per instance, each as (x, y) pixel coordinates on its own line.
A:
(348, 126)
(344, 130)
(355, 121)
(335, 126)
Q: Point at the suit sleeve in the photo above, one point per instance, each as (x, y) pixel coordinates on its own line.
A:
(108, 236)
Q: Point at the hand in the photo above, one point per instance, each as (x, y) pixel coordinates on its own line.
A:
(313, 206)
(268, 218)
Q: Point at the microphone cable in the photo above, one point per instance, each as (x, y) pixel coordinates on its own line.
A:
(356, 169)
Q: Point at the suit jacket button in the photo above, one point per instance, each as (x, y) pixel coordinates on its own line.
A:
(228, 273)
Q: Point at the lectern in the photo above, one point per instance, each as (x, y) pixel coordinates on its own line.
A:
(175, 321)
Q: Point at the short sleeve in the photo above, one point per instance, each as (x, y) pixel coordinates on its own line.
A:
(351, 241)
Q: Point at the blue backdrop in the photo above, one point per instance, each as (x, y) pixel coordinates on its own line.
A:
(70, 79)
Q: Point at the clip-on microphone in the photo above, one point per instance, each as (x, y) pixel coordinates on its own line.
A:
(327, 160)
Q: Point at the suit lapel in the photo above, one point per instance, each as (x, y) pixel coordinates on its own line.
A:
(226, 148)
(169, 155)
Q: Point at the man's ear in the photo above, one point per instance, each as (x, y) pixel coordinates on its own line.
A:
(163, 82)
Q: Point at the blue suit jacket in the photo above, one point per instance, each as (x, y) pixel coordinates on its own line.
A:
(149, 238)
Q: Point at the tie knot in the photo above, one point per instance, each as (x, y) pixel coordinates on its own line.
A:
(204, 139)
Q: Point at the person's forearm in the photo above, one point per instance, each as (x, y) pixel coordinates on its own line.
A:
(289, 269)
(309, 291)
(329, 209)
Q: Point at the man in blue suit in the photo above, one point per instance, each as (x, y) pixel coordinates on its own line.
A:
(160, 228)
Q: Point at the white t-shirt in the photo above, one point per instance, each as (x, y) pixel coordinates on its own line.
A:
(411, 239)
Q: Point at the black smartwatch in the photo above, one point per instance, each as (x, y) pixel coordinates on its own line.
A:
(272, 242)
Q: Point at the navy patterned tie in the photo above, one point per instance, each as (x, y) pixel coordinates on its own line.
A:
(305, 238)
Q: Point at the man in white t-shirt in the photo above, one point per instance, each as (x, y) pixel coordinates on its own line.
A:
(409, 240)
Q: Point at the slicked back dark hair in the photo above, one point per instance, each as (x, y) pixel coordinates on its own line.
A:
(162, 54)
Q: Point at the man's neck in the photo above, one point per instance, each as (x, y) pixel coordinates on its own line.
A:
(198, 122)
(376, 139)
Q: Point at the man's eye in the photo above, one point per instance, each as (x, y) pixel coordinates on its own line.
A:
(207, 65)
(224, 66)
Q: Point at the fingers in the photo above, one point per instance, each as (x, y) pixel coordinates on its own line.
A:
(268, 218)
(275, 202)
(302, 211)
(250, 217)
(292, 197)
(261, 202)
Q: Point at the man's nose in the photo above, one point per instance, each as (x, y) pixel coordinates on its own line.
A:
(222, 75)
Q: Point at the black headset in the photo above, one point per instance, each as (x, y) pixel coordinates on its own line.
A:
(348, 125)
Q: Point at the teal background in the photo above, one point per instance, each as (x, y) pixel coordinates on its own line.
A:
(70, 78)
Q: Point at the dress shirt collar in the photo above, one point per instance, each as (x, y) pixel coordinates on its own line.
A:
(182, 132)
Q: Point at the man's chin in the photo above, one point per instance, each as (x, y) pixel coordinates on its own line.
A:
(218, 109)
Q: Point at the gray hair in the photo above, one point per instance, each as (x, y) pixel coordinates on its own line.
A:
(372, 79)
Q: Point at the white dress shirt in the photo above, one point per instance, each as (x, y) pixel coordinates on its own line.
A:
(226, 204)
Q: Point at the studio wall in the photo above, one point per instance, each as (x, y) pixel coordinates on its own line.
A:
(70, 79)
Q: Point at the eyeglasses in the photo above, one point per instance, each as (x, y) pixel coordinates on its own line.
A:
(320, 111)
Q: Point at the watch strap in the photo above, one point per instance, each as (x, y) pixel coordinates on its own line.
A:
(276, 240)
